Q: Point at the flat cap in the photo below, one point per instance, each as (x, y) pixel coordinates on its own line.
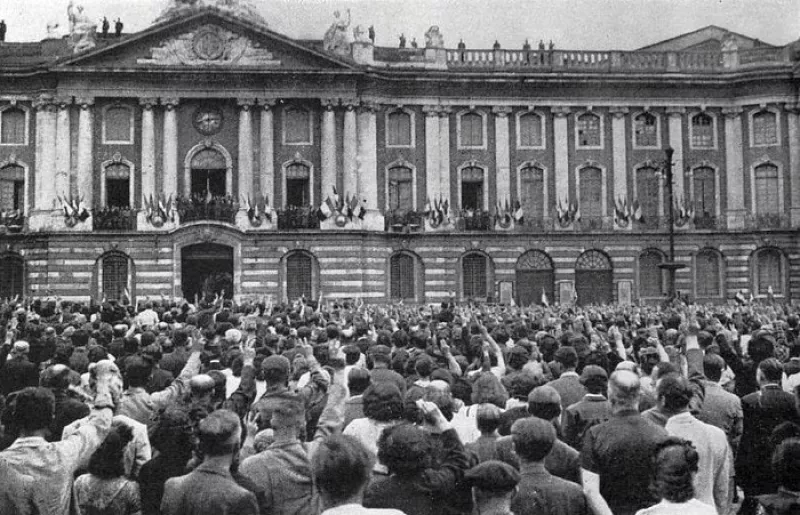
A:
(593, 371)
(493, 476)
(544, 395)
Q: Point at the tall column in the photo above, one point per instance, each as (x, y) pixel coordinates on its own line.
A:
(793, 113)
(63, 147)
(444, 155)
(328, 150)
(502, 155)
(169, 169)
(45, 154)
(148, 172)
(734, 167)
(368, 154)
(561, 153)
(350, 155)
(619, 152)
(245, 149)
(85, 151)
(432, 156)
(267, 143)
(676, 142)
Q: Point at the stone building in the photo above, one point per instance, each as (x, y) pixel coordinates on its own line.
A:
(209, 152)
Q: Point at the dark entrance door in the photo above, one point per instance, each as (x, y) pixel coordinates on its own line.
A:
(594, 278)
(534, 277)
(208, 181)
(206, 270)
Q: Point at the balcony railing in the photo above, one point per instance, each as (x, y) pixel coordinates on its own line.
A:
(768, 221)
(475, 221)
(706, 222)
(113, 219)
(12, 221)
(594, 223)
(293, 218)
(198, 208)
(651, 223)
(404, 222)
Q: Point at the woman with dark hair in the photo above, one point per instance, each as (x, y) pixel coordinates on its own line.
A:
(383, 407)
(675, 462)
(105, 490)
(786, 467)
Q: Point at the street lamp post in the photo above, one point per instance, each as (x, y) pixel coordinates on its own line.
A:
(670, 266)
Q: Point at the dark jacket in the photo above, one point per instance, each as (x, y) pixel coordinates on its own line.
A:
(17, 374)
(207, 491)
(541, 493)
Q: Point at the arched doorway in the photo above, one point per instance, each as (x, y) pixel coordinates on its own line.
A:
(594, 278)
(209, 174)
(534, 276)
(206, 270)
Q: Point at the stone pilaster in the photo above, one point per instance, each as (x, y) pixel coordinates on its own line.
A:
(267, 147)
(676, 115)
(793, 119)
(169, 168)
(148, 172)
(85, 150)
(432, 156)
(368, 154)
(245, 148)
(619, 152)
(444, 156)
(63, 147)
(350, 153)
(734, 168)
(46, 154)
(328, 148)
(561, 153)
(502, 155)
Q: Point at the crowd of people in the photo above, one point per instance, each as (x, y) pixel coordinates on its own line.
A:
(171, 408)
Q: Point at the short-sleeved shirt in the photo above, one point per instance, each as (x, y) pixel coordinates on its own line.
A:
(620, 452)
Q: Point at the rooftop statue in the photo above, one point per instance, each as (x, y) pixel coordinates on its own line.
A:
(361, 34)
(337, 37)
(434, 38)
(81, 28)
(238, 8)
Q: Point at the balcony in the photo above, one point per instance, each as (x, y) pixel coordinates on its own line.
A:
(651, 224)
(594, 223)
(475, 221)
(767, 221)
(404, 222)
(199, 209)
(706, 222)
(113, 219)
(293, 218)
(11, 221)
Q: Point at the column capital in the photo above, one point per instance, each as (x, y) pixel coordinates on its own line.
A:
(368, 106)
(618, 111)
(732, 112)
(44, 103)
(148, 103)
(792, 107)
(675, 111)
(329, 104)
(350, 103)
(84, 102)
(245, 103)
(267, 103)
(561, 111)
(501, 111)
(431, 110)
(170, 103)
(63, 102)
(444, 111)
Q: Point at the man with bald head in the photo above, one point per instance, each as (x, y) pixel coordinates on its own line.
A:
(616, 455)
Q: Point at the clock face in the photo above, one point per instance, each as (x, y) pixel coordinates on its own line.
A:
(208, 120)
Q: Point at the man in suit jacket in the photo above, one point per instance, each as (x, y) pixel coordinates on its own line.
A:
(568, 385)
(18, 372)
(763, 410)
(720, 408)
(210, 489)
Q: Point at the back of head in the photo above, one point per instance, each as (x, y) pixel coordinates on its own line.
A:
(544, 402)
(55, 377)
(358, 380)
(770, 370)
(107, 461)
(623, 390)
(533, 438)
(786, 464)
(713, 365)
(675, 391)
(33, 408)
(138, 371)
(383, 402)
(675, 461)
(288, 413)
(488, 418)
(405, 449)
(219, 433)
(80, 338)
(341, 467)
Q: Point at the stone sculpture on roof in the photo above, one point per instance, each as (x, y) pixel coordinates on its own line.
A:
(81, 28)
(238, 8)
(337, 37)
(434, 38)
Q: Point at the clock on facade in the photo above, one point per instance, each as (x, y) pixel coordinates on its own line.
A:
(207, 120)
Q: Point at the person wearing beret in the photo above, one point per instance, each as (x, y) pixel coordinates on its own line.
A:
(493, 483)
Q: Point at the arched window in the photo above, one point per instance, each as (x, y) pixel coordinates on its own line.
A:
(648, 192)
(209, 171)
(298, 185)
(530, 130)
(589, 130)
(299, 276)
(398, 129)
(402, 277)
(118, 185)
(590, 196)
(401, 189)
(472, 188)
(705, 192)
(471, 125)
(296, 126)
(765, 128)
(535, 276)
(702, 131)
(532, 191)
(118, 125)
(769, 272)
(12, 188)
(12, 126)
(594, 278)
(645, 127)
(115, 275)
(768, 199)
(651, 277)
(474, 275)
(12, 276)
(708, 281)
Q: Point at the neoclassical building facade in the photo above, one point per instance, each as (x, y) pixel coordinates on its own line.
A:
(209, 152)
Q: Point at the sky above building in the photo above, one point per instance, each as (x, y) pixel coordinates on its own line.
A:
(571, 24)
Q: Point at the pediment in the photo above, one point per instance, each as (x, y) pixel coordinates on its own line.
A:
(207, 41)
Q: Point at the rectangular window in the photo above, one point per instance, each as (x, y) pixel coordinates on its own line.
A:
(589, 131)
(400, 195)
(765, 128)
(532, 194)
(591, 192)
(646, 129)
(297, 127)
(530, 130)
(702, 131)
(118, 125)
(298, 277)
(402, 277)
(399, 129)
(118, 193)
(12, 127)
(472, 196)
(297, 193)
(471, 130)
(704, 192)
(767, 198)
(474, 276)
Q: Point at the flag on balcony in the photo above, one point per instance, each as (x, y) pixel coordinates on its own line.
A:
(544, 298)
(519, 213)
(362, 211)
(637, 211)
(325, 210)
